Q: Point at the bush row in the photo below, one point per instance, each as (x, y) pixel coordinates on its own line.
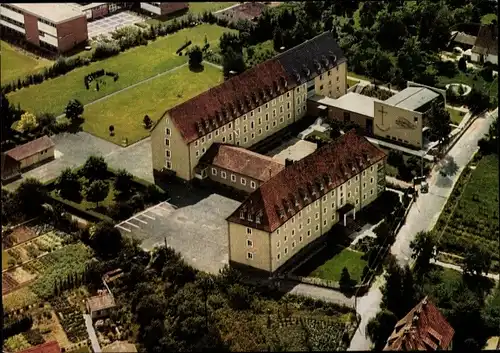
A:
(96, 74)
(105, 50)
(16, 327)
(184, 46)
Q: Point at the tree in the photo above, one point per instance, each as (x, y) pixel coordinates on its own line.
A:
(477, 100)
(345, 279)
(410, 58)
(462, 64)
(106, 239)
(439, 122)
(195, 57)
(123, 181)
(95, 168)
(380, 328)
(232, 62)
(9, 116)
(477, 260)
(395, 158)
(399, 292)
(390, 30)
(384, 234)
(69, 185)
(97, 191)
(27, 123)
(423, 249)
(368, 13)
(74, 109)
(147, 121)
(381, 67)
(30, 196)
(448, 166)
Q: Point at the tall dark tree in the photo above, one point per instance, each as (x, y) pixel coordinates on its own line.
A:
(380, 328)
(123, 181)
(74, 109)
(106, 240)
(195, 57)
(69, 185)
(423, 250)
(477, 100)
(462, 64)
(381, 67)
(97, 191)
(410, 59)
(439, 122)
(95, 168)
(30, 196)
(232, 62)
(477, 260)
(390, 30)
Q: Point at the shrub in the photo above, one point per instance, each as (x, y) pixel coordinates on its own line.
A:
(147, 121)
(184, 46)
(105, 50)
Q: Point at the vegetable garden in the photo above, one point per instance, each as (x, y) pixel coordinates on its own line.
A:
(71, 319)
(471, 213)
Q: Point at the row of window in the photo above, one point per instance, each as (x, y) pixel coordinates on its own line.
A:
(329, 73)
(11, 21)
(48, 23)
(397, 139)
(243, 181)
(12, 8)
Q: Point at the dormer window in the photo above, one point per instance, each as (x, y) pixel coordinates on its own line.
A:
(250, 218)
(242, 214)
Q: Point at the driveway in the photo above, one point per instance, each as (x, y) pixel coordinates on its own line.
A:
(72, 150)
(198, 231)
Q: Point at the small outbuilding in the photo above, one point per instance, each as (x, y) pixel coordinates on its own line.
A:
(100, 305)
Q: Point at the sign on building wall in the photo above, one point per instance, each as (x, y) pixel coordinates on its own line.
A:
(405, 123)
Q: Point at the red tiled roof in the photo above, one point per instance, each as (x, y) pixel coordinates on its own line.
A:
(31, 148)
(216, 107)
(300, 184)
(242, 161)
(47, 347)
(423, 328)
(101, 302)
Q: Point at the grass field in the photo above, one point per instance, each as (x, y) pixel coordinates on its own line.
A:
(134, 65)
(332, 269)
(475, 218)
(456, 116)
(468, 79)
(152, 98)
(359, 77)
(351, 83)
(15, 63)
(195, 8)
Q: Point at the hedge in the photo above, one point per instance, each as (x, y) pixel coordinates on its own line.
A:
(79, 211)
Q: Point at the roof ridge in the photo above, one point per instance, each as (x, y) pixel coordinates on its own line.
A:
(300, 45)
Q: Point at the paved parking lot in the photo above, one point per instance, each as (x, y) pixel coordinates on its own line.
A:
(197, 231)
(108, 24)
(294, 149)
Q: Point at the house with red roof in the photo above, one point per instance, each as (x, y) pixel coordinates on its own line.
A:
(249, 107)
(424, 328)
(304, 201)
(47, 347)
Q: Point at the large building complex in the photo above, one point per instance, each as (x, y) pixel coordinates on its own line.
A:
(249, 107)
(57, 27)
(304, 201)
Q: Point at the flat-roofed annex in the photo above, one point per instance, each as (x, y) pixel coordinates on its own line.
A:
(56, 13)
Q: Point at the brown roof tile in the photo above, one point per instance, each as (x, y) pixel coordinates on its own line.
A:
(100, 302)
(242, 161)
(423, 328)
(31, 148)
(47, 347)
(487, 40)
(301, 183)
(229, 100)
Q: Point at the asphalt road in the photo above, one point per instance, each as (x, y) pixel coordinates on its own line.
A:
(421, 217)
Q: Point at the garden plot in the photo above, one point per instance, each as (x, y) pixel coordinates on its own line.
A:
(11, 280)
(18, 299)
(71, 319)
(19, 235)
(33, 249)
(50, 328)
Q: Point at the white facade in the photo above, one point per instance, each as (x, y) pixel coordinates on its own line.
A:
(153, 7)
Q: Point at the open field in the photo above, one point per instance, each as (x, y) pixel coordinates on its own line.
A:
(132, 66)
(456, 116)
(475, 217)
(195, 8)
(126, 110)
(15, 63)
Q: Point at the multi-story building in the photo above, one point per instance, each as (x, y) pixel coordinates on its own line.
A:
(249, 107)
(163, 8)
(304, 201)
(57, 27)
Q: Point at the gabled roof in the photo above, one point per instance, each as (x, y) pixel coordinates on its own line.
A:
(423, 328)
(101, 302)
(242, 161)
(47, 347)
(305, 181)
(31, 148)
(254, 87)
(463, 38)
(315, 56)
(412, 98)
(229, 100)
(487, 40)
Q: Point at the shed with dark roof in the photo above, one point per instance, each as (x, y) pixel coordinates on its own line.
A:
(33, 152)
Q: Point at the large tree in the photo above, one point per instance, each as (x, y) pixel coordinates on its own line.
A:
(69, 185)
(97, 191)
(439, 122)
(380, 328)
(95, 168)
(123, 181)
(368, 13)
(410, 58)
(30, 196)
(106, 239)
(195, 57)
(232, 62)
(423, 250)
(399, 293)
(74, 109)
(477, 260)
(390, 30)
(381, 67)
(477, 100)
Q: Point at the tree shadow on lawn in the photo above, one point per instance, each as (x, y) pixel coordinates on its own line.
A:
(196, 68)
(76, 125)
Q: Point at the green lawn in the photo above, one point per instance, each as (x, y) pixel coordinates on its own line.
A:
(360, 77)
(125, 111)
(351, 83)
(195, 8)
(455, 115)
(487, 19)
(475, 218)
(15, 63)
(332, 269)
(468, 79)
(132, 66)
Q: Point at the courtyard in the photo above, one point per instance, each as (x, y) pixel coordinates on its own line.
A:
(104, 26)
(294, 149)
(197, 231)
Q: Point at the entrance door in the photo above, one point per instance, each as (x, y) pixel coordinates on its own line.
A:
(369, 126)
